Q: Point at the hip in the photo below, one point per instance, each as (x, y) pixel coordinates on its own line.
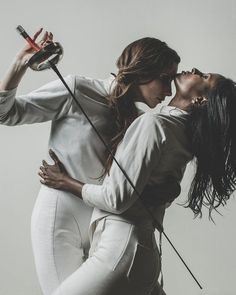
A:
(62, 210)
(126, 248)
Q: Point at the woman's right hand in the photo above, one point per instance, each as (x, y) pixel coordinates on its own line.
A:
(27, 51)
(19, 66)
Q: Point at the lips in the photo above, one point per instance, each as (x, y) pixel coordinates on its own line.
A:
(182, 74)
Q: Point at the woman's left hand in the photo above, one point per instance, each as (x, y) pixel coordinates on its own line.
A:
(55, 175)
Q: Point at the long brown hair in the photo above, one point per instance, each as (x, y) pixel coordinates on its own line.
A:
(140, 62)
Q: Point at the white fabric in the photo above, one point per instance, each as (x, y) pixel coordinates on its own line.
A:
(71, 137)
(124, 260)
(60, 221)
(154, 147)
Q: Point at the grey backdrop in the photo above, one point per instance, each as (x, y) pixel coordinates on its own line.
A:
(93, 34)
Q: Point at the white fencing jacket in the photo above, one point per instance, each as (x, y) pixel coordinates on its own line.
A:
(154, 147)
(71, 136)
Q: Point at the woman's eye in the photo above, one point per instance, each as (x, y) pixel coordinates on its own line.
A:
(166, 79)
(205, 76)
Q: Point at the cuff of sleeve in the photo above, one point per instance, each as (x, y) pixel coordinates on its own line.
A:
(86, 191)
(7, 98)
(92, 196)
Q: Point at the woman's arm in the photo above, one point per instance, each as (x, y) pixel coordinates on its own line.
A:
(56, 176)
(138, 154)
(46, 103)
(19, 66)
(14, 74)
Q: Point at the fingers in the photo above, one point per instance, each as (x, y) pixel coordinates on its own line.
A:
(45, 182)
(49, 39)
(50, 36)
(43, 169)
(44, 179)
(45, 164)
(46, 38)
(37, 34)
(43, 172)
(43, 175)
(54, 156)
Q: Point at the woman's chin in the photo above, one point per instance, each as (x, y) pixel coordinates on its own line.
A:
(155, 103)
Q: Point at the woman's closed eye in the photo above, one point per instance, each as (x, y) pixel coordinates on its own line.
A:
(166, 78)
(205, 76)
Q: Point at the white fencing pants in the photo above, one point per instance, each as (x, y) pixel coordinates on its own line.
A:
(124, 260)
(59, 230)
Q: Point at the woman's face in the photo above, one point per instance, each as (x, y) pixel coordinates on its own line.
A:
(195, 83)
(155, 92)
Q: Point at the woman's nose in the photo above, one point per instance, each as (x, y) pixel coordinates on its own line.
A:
(195, 71)
(168, 91)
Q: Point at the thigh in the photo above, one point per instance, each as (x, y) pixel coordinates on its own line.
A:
(92, 278)
(116, 266)
(144, 270)
(101, 273)
(59, 238)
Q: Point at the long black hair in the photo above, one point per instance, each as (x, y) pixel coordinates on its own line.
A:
(212, 134)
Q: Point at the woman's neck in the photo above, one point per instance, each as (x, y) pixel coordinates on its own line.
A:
(180, 102)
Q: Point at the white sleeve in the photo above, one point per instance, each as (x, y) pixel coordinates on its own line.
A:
(49, 102)
(138, 154)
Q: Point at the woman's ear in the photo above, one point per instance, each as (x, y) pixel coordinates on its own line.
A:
(200, 100)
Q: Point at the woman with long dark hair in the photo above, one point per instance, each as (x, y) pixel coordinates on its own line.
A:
(199, 122)
(60, 221)
(212, 135)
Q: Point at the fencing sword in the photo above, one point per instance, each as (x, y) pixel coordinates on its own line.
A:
(47, 57)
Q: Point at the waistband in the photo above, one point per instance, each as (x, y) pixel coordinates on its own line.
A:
(146, 224)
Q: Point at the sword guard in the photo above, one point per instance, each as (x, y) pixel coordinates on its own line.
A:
(41, 60)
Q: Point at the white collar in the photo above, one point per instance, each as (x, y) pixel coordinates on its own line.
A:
(160, 109)
(171, 110)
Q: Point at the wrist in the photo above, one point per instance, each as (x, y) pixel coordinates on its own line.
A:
(14, 74)
(65, 182)
(72, 185)
(20, 63)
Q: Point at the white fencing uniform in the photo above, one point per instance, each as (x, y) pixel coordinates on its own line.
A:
(124, 258)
